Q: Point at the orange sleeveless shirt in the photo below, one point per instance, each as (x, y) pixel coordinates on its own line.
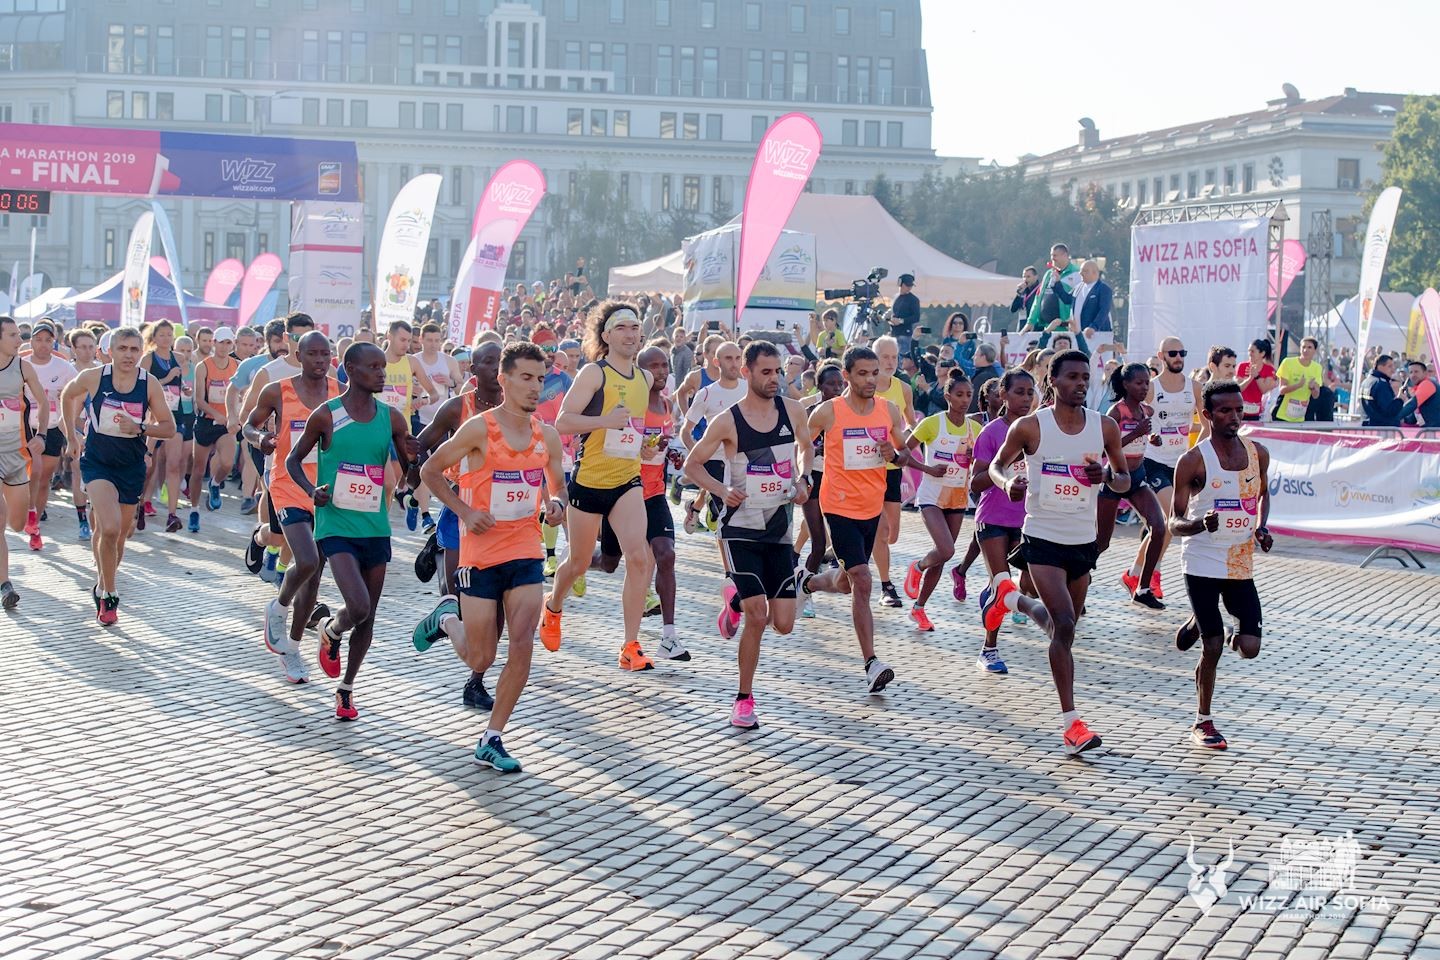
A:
(854, 484)
(507, 484)
(290, 423)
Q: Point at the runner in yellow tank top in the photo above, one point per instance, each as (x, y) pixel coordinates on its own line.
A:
(402, 372)
(897, 391)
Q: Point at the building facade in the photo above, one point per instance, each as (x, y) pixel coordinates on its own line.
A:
(1312, 154)
(670, 96)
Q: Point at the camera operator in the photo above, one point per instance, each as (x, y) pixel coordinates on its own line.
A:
(904, 314)
(1025, 295)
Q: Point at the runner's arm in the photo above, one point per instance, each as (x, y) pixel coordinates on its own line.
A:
(803, 438)
(162, 418)
(822, 418)
(899, 428)
(266, 405)
(42, 405)
(909, 395)
(1189, 477)
(445, 423)
(423, 378)
(719, 437)
(317, 429)
(687, 433)
(570, 419)
(257, 384)
(1119, 480)
(1017, 441)
(1262, 532)
(73, 396)
(470, 440)
(406, 446)
(554, 476)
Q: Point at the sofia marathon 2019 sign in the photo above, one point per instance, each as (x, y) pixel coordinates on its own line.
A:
(1347, 486)
(1205, 282)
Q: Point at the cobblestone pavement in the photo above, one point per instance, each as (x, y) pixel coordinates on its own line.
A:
(165, 793)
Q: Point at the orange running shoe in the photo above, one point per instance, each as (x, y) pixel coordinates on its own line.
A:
(993, 612)
(922, 622)
(633, 658)
(1079, 738)
(1130, 581)
(549, 628)
(1155, 586)
(913, 576)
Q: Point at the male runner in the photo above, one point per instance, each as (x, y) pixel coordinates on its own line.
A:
(860, 430)
(82, 355)
(1063, 446)
(277, 419)
(1222, 503)
(701, 375)
(402, 373)
(18, 447)
(757, 438)
(898, 392)
(252, 463)
(355, 433)
(709, 402)
(605, 408)
(212, 422)
(54, 372)
(502, 455)
(1176, 399)
(444, 373)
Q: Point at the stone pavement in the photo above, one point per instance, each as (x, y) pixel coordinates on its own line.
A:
(163, 793)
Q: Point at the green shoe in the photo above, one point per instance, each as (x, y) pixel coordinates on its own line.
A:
(552, 563)
(652, 603)
(427, 631)
(492, 752)
(578, 587)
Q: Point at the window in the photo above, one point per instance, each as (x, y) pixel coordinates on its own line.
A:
(599, 123)
(758, 126)
(214, 107)
(842, 21)
(752, 16)
(140, 50)
(862, 79)
(755, 74)
(776, 90)
(164, 106)
(885, 79)
(115, 104)
(405, 6)
(665, 192)
(140, 105)
(1210, 177)
(1347, 174)
(595, 56)
(457, 194)
(571, 59)
(358, 56)
(849, 188)
(334, 112)
(572, 10)
(359, 113)
(622, 123)
(407, 115)
(235, 245)
(1229, 180)
(709, 71)
(894, 134)
(115, 49)
(334, 54)
(667, 126)
(690, 193)
(690, 128)
(1247, 178)
(574, 121)
(1143, 187)
(572, 189)
(432, 256)
(519, 259)
(209, 251)
(310, 55)
(1191, 185)
(514, 119)
(239, 108)
(452, 8)
(797, 18)
(1125, 190)
(454, 116)
(357, 6)
(165, 50)
(404, 173)
(235, 66)
(707, 14)
(617, 11)
(842, 79)
(887, 23)
(1159, 191)
(625, 189)
(430, 116)
(687, 71)
(662, 13)
(109, 248)
(664, 69)
(405, 57)
(452, 50)
(1175, 182)
(714, 126)
(214, 49)
(260, 58)
(717, 195)
(800, 75)
(618, 63)
(872, 133)
(39, 113)
(850, 133)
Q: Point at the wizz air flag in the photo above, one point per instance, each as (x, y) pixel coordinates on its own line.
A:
(783, 164)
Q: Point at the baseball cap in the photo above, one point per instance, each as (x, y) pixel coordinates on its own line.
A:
(45, 326)
(569, 345)
(908, 279)
(105, 340)
(224, 333)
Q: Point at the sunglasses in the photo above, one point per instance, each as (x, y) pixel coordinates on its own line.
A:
(1177, 353)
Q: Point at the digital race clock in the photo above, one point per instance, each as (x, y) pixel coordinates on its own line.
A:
(24, 201)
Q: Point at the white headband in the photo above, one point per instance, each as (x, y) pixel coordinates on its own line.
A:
(624, 313)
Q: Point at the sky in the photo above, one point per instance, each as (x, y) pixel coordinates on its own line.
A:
(1001, 91)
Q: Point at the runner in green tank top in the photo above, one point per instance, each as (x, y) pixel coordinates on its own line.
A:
(354, 434)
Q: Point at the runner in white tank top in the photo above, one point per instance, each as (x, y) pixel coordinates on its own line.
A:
(1222, 501)
(1176, 400)
(1063, 448)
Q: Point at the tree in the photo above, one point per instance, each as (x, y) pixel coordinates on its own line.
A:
(1410, 164)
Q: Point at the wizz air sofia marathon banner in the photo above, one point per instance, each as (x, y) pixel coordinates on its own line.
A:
(510, 199)
(1205, 281)
(327, 265)
(402, 251)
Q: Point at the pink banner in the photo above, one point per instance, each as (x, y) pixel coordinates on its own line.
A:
(261, 275)
(1287, 265)
(782, 165)
(160, 265)
(510, 199)
(223, 280)
(1429, 304)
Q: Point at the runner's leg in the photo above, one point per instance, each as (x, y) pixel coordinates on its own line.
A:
(367, 592)
(629, 521)
(944, 530)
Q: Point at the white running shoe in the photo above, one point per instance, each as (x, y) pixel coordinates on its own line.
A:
(879, 675)
(294, 663)
(672, 649)
(276, 618)
(808, 610)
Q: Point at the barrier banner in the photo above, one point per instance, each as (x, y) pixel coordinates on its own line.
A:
(783, 163)
(1372, 268)
(402, 251)
(510, 199)
(1372, 489)
(1203, 280)
(223, 280)
(260, 276)
(327, 264)
(135, 286)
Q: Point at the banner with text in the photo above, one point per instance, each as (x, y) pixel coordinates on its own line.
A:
(1202, 281)
(1336, 485)
(260, 276)
(783, 163)
(327, 264)
(135, 286)
(224, 278)
(510, 199)
(1372, 268)
(172, 257)
(402, 251)
(1284, 268)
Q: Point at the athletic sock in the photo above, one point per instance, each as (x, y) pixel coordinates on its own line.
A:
(742, 696)
(347, 687)
(425, 515)
(1135, 571)
(668, 630)
(1201, 718)
(870, 660)
(328, 635)
(1011, 601)
(549, 552)
(490, 735)
(886, 583)
(80, 512)
(995, 580)
(1067, 718)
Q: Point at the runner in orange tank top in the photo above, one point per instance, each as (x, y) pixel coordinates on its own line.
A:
(275, 422)
(506, 457)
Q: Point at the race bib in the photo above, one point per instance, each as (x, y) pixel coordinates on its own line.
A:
(1237, 520)
(1252, 409)
(113, 412)
(1064, 488)
(860, 447)
(514, 493)
(393, 398)
(54, 421)
(12, 412)
(624, 444)
(358, 487)
(297, 427)
(1295, 408)
(768, 485)
(957, 467)
(172, 396)
(1175, 438)
(215, 392)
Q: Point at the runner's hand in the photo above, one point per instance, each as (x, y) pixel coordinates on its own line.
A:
(1143, 425)
(1016, 487)
(1095, 472)
(734, 496)
(1211, 520)
(478, 521)
(321, 496)
(617, 419)
(1262, 537)
(36, 446)
(801, 493)
(1155, 440)
(936, 470)
(888, 453)
(555, 512)
(412, 448)
(127, 426)
(267, 444)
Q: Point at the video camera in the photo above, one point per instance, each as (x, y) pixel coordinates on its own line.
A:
(867, 289)
(862, 319)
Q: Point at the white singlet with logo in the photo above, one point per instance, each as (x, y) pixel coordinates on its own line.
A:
(1229, 552)
(54, 376)
(711, 401)
(1174, 411)
(1060, 501)
(439, 374)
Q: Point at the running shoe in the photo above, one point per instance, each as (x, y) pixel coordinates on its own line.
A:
(412, 515)
(267, 570)
(44, 515)
(1155, 587)
(194, 521)
(1188, 635)
(213, 501)
(475, 695)
(1019, 619)
(427, 524)
(9, 599)
(1130, 582)
(427, 560)
(1079, 738)
(728, 620)
(652, 603)
(549, 628)
(345, 705)
(139, 519)
(249, 505)
(109, 609)
(878, 675)
(989, 661)
(692, 522)
(84, 531)
(254, 553)
(889, 597)
(173, 524)
(429, 630)
(276, 620)
(633, 658)
(802, 585)
(742, 714)
(35, 542)
(994, 607)
(675, 495)
(1205, 735)
(958, 579)
(552, 563)
(32, 523)
(95, 595)
(1145, 598)
(922, 622)
(149, 509)
(672, 649)
(492, 753)
(320, 612)
(329, 649)
(293, 663)
(913, 576)
(808, 610)
(711, 522)
(984, 596)
(578, 587)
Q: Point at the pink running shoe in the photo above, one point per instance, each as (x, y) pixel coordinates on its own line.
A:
(742, 715)
(729, 620)
(958, 579)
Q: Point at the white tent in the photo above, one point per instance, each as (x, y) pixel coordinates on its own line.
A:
(1389, 322)
(662, 275)
(49, 301)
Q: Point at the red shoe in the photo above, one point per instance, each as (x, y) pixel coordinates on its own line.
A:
(913, 576)
(922, 622)
(994, 611)
(32, 523)
(329, 653)
(1205, 735)
(549, 628)
(1131, 582)
(1079, 738)
(149, 509)
(345, 705)
(1155, 586)
(109, 611)
(959, 588)
(35, 542)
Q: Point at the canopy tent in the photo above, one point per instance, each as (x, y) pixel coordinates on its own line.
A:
(1389, 322)
(50, 303)
(102, 302)
(853, 235)
(662, 275)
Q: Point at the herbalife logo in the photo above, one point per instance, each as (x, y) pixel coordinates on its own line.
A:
(247, 171)
(791, 160)
(509, 195)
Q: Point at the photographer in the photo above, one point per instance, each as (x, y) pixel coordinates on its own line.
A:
(904, 314)
(830, 343)
(1025, 295)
